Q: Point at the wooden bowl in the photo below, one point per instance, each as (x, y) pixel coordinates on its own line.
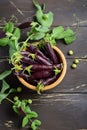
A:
(57, 82)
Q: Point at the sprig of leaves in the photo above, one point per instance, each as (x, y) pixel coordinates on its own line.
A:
(40, 29)
(29, 116)
(11, 37)
(5, 90)
(20, 107)
(58, 33)
(45, 19)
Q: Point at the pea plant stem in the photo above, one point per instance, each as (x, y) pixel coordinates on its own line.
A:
(27, 39)
(10, 100)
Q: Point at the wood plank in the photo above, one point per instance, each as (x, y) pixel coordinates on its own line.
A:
(63, 10)
(65, 106)
(75, 80)
(69, 113)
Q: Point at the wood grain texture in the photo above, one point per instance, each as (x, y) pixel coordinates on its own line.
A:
(65, 106)
(58, 111)
(63, 10)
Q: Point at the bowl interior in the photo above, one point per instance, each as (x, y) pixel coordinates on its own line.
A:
(60, 78)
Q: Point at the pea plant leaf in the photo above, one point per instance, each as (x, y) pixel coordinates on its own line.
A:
(17, 33)
(2, 97)
(5, 86)
(57, 32)
(4, 41)
(33, 114)
(41, 28)
(34, 124)
(25, 121)
(16, 105)
(5, 74)
(36, 35)
(9, 27)
(49, 38)
(37, 31)
(69, 36)
(3, 94)
(45, 19)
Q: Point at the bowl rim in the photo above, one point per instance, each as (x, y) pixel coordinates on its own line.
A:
(54, 84)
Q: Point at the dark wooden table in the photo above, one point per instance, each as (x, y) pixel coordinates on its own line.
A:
(65, 106)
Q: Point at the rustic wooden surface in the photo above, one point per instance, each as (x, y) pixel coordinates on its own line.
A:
(65, 106)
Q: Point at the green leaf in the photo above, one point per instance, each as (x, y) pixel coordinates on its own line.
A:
(45, 19)
(49, 38)
(13, 47)
(32, 114)
(69, 40)
(36, 35)
(16, 105)
(68, 32)
(25, 121)
(5, 74)
(15, 109)
(9, 27)
(5, 86)
(42, 29)
(28, 110)
(69, 36)
(11, 51)
(4, 41)
(57, 31)
(34, 124)
(23, 105)
(17, 33)
(3, 96)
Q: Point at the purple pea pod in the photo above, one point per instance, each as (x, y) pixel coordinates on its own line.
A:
(51, 53)
(24, 25)
(41, 74)
(35, 50)
(49, 80)
(2, 34)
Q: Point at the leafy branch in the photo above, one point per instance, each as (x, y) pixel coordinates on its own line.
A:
(20, 107)
(40, 29)
(10, 36)
(29, 116)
